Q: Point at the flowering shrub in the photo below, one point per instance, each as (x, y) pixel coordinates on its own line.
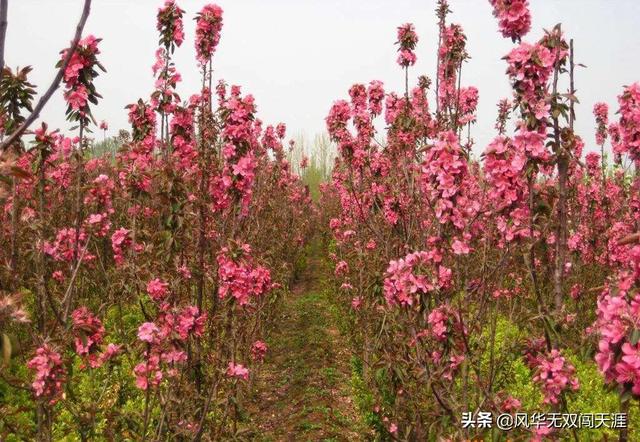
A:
(144, 273)
(513, 16)
(407, 40)
(435, 248)
(49, 374)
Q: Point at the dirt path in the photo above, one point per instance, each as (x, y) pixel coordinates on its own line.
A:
(303, 391)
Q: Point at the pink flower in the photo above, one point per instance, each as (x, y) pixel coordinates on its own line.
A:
(237, 371)
(406, 58)
(58, 276)
(77, 98)
(148, 332)
(170, 24)
(120, 241)
(511, 404)
(460, 248)
(629, 125)
(240, 278)
(601, 112)
(258, 351)
(407, 37)
(148, 373)
(416, 273)
(157, 289)
(88, 331)
(342, 268)
(514, 17)
(554, 374)
(50, 373)
(191, 322)
(208, 27)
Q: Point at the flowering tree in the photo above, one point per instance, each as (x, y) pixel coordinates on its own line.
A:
(439, 254)
(150, 279)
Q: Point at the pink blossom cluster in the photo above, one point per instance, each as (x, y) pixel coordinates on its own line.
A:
(88, 329)
(439, 319)
(513, 16)
(208, 28)
(601, 113)
(360, 110)
(88, 335)
(143, 121)
(165, 338)
(504, 170)
(555, 375)
(183, 139)
(64, 246)
(169, 24)
(467, 104)
(530, 67)
(239, 151)
(165, 98)
(366, 103)
(415, 274)
(101, 192)
(157, 289)
(446, 181)
(629, 125)
(79, 74)
(258, 351)
(618, 356)
(121, 242)
(136, 160)
(407, 41)
(452, 53)
(50, 373)
(237, 371)
(239, 278)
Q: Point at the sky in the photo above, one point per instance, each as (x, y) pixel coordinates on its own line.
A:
(298, 56)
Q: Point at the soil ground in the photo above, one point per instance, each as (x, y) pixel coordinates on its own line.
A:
(303, 390)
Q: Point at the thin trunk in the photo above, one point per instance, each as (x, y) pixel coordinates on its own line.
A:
(561, 226)
(624, 431)
(14, 234)
(78, 216)
(4, 7)
(41, 410)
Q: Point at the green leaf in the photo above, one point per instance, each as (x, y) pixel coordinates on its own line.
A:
(635, 336)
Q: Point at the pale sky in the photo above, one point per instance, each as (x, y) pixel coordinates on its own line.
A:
(298, 56)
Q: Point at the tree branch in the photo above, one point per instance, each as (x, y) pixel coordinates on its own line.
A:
(56, 81)
(4, 6)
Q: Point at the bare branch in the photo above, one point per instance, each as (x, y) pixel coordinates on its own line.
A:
(4, 6)
(56, 81)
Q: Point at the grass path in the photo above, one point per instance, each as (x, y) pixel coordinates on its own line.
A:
(303, 392)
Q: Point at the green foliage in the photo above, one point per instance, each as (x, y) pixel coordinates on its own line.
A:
(16, 406)
(515, 378)
(320, 162)
(594, 397)
(107, 148)
(363, 397)
(521, 386)
(16, 95)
